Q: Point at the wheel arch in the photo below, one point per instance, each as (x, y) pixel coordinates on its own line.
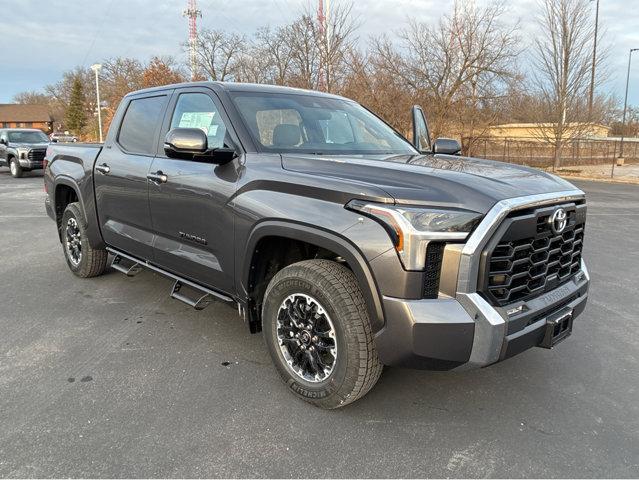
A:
(309, 235)
(66, 190)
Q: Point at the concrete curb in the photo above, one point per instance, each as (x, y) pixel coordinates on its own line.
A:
(625, 181)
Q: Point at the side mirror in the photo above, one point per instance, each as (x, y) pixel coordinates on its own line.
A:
(421, 134)
(192, 144)
(185, 142)
(447, 146)
(218, 156)
(3, 141)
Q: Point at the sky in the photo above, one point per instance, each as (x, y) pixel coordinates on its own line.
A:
(43, 38)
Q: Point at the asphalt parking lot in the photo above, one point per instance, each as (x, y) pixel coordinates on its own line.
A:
(110, 377)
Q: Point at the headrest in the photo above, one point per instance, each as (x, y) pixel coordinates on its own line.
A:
(286, 135)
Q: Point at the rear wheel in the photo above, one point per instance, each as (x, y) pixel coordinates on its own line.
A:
(14, 166)
(83, 260)
(318, 333)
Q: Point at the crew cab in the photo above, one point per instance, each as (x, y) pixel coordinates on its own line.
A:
(346, 245)
(22, 149)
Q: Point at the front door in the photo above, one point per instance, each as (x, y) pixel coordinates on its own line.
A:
(120, 176)
(3, 147)
(190, 209)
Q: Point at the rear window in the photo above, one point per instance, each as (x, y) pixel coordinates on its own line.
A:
(137, 132)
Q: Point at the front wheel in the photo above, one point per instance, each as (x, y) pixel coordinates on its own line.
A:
(83, 260)
(318, 333)
(15, 167)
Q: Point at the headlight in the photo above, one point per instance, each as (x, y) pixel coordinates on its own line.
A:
(22, 153)
(411, 228)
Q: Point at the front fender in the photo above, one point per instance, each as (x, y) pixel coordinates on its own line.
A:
(336, 243)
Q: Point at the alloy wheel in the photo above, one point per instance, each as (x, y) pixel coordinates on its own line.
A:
(73, 242)
(306, 337)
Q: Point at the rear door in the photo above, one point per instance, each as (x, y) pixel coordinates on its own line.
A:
(120, 176)
(190, 211)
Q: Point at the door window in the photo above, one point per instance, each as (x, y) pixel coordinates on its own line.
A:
(197, 110)
(137, 133)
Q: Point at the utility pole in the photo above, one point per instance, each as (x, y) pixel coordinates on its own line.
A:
(96, 68)
(192, 13)
(594, 62)
(625, 102)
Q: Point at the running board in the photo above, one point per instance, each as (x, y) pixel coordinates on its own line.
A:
(206, 296)
(199, 303)
(131, 271)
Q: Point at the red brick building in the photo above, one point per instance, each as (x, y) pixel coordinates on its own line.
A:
(13, 115)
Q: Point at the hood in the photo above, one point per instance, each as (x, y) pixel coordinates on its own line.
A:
(30, 145)
(437, 180)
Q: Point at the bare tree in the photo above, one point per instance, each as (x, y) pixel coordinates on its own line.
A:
(119, 76)
(563, 61)
(218, 52)
(32, 97)
(335, 40)
(305, 53)
(274, 48)
(460, 63)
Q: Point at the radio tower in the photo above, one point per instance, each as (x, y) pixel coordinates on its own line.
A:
(192, 12)
(321, 20)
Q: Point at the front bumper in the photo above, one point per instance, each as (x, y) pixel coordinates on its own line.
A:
(462, 330)
(468, 332)
(31, 164)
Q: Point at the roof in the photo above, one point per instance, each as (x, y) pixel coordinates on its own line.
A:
(15, 112)
(239, 87)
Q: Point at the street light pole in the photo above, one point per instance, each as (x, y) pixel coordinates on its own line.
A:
(594, 62)
(96, 68)
(625, 102)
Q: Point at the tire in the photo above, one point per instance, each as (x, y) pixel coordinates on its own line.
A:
(15, 167)
(83, 260)
(351, 366)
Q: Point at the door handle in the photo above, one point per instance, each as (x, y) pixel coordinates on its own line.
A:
(103, 169)
(157, 177)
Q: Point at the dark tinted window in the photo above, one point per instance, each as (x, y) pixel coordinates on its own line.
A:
(137, 133)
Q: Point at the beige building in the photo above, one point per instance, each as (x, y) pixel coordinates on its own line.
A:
(537, 131)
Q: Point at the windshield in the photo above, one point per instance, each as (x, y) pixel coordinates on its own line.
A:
(292, 123)
(28, 137)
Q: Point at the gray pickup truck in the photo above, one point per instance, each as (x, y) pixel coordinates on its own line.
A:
(346, 245)
(22, 149)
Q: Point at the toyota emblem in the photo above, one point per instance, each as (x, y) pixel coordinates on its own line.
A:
(558, 220)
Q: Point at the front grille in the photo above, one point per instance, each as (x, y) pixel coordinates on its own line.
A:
(36, 155)
(526, 258)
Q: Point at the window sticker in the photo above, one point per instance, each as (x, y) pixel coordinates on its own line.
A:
(201, 120)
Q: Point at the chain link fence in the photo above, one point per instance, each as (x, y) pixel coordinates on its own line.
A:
(597, 158)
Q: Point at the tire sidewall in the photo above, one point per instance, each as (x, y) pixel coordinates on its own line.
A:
(15, 172)
(276, 294)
